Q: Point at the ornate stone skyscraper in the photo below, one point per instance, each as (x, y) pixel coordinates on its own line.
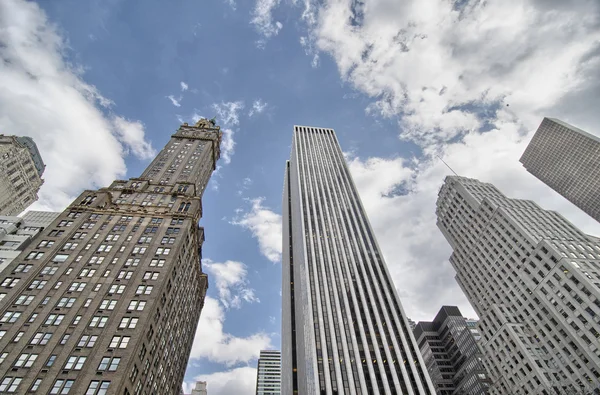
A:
(21, 169)
(344, 329)
(107, 299)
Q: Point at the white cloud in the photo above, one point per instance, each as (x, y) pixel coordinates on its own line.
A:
(82, 142)
(238, 381)
(257, 107)
(265, 226)
(227, 145)
(228, 112)
(176, 101)
(230, 278)
(184, 86)
(220, 347)
(131, 133)
(262, 19)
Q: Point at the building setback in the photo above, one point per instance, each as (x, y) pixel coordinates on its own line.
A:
(343, 328)
(108, 297)
(449, 347)
(16, 233)
(21, 169)
(268, 374)
(534, 280)
(567, 159)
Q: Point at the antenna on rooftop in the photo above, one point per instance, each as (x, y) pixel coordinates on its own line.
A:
(447, 165)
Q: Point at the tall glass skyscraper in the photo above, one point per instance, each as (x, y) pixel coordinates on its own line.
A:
(107, 298)
(344, 329)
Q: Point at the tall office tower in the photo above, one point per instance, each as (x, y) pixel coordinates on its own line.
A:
(200, 388)
(16, 233)
(268, 375)
(344, 329)
(449, 347)
(534, 280)
(567, 159)
(108, 297)
(21, 169)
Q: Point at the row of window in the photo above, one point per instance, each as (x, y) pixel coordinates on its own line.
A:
(61, 386)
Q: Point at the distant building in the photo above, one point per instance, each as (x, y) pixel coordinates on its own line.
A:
(567, 159)
(200, 388)
(449, 347)
(17, 232)
(534, 280)
(268, 375)
(21, 169)
(344, 330)
(412, 324)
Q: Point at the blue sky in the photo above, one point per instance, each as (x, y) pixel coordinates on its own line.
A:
(101, 85)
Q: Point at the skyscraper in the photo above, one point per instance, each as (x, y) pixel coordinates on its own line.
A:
(108, 297)
(344, 329)
(449, 347)
(21, 169)
(16, 233)
(268, 374)
(200, 388)
(567, 159)
(534, 280)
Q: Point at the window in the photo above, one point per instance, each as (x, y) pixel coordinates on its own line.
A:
(75, 363)
(65, 338)
(96, 260)
(66, 302)
(61, 387)
(97, 287)
(49, 270)
(3, 357)
(108, 304)
(34, 255)
(10, 384)
(45, 243)
(76, 320)
(116, 289)
(139, 250)
(132, 262)
(157, 262)
(87, 341)
(41, 338)
(36, 385)
(10, 282)
(54, 319)
(162, 251)
(104, 248)
(112, 237)
(98, 321)
(10, 316)
(167, 240)
(69, 246)
(51, 360)
(136, 305)
(22, 268)
(145, 240)
(60, 258)
(97, 387)
(110, 364)
(173, 231)
(24, 300)
(32, 317)
(125, 275)
(37, 284)
(119, 341)
(128, 323)
(87, 272)
(77, 287)
(151, 275)
(144, 289)
(156, 220)
(25, 360)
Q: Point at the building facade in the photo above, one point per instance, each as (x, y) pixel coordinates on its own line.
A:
(567, 159)
(343, 328)
(534, 280)
(21, 169)
(450, 351)
(268, 374)
(16, 233)
(107, 299)
(200, 388)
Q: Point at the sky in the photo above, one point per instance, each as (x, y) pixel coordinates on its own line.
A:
(102, 84)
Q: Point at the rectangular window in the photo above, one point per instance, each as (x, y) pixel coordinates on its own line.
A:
(97, 387)
(36, 385)
(110, 364)
(151, 275)
(60, 258)
(54, 319)
(139, 250)
(10, 384)
(22, 268)
(25, 360)
(87, 272)
(49, 270)
(144, 290)
(119, 341)
(162, 251)
(98, 321)
(66, 302)
(77, 287)
(37, 284)
(129, 323)
(116, 289)
(87, 341)
(10, 282)
(136, 305)
(75, 363)
(41, 338)
(61, 387)
(10, 316)
(96, 260)
(157, 262)
(132, 262)
(24, 300)
(108, 304)
(34, 255)
(45, 244)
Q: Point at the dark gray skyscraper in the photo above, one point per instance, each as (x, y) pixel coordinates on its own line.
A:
(107, 298)
(567, 159)
(449, 347)
(344, 329)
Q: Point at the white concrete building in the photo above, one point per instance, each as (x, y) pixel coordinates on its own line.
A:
(268, 374)
(200, 388)
(534, 280)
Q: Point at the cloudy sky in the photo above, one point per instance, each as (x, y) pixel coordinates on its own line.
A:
(101, 84)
